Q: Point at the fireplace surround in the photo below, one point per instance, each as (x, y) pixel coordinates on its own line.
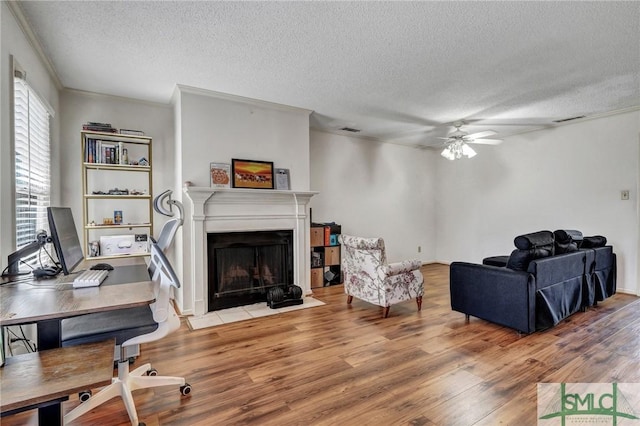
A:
(230, 210)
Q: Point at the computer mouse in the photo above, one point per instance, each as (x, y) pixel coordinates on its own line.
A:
(102, 267)
(47, 271)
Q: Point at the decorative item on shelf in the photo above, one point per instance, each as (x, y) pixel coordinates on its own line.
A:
(117, 217)
(94, 249)
(124, 158)
(220, 175)
(143, 162)
(116, 191)
(252, 174)
(107, 221)
(131, 132)
(282, 179)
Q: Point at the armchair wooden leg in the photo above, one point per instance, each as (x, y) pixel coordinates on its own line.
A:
(349, 299)
(385, 311)
(419, 302)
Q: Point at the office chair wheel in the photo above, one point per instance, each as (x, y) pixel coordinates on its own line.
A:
(186, 389)
(152, 372)
(84, 395)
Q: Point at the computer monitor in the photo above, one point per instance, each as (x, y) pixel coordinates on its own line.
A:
(65, 238)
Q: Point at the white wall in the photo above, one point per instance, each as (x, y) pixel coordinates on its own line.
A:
(569, 177)
(217, 127)
(376, 189)
(156, 120)
(13, 42)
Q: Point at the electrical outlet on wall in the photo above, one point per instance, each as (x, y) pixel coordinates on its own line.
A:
(624, 194)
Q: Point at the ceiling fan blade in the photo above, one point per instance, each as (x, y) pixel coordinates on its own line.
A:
(486, 141)
(483, 134)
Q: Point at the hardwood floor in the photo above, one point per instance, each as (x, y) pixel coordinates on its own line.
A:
(341, 365)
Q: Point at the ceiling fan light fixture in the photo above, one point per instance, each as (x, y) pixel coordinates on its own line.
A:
(468, 151)
(456, 150)
(448, 153)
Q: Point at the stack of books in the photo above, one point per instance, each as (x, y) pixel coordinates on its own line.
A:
(99, 127)
(105, 152)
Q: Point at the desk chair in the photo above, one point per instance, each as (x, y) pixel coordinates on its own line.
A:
(144, 376)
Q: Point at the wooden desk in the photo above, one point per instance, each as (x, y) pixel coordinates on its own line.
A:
(46, 302)
(32, 380)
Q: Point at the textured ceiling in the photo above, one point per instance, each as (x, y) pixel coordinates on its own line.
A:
(399, 71)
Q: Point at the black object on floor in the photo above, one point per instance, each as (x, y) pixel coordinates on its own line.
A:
(279, 297)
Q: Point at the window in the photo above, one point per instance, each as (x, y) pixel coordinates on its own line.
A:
(32, 163)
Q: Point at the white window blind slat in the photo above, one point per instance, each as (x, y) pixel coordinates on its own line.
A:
(32, 164)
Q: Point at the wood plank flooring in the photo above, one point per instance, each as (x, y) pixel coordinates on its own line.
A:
(342, 365)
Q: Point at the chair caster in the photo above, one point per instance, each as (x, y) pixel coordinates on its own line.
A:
(186, 389)
(84, 395)
(152, 372)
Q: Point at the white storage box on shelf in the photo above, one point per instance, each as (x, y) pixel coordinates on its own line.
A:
(111, 245)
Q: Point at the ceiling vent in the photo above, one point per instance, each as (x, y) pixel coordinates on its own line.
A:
(564, 120)
(350, 129)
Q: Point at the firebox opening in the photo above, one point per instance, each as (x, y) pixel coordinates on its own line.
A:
(243, 266)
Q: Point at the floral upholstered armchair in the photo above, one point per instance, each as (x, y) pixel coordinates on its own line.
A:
(368, 277)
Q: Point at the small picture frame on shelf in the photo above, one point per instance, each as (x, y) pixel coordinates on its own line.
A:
(252, 174)
(282, 179)
(117, 217)
(220, 175)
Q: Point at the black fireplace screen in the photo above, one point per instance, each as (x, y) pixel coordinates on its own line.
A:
(242, 266)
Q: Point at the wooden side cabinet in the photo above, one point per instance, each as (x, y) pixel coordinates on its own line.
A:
(325, 255)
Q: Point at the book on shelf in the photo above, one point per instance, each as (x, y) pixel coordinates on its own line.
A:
(104, 152)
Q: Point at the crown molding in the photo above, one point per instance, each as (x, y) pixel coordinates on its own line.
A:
(115, 97)
(241, 99)
(24, 25)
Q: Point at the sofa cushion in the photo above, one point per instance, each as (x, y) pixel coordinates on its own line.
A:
(520, 259)
(540, 239)
(594, 242)
(500, 261)
(567, 240)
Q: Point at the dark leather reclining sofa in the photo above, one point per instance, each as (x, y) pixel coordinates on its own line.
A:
(548, 277)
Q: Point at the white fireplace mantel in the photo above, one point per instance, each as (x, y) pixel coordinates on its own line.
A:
(232, 209)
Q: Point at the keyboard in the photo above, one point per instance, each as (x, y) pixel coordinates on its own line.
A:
(90, 278)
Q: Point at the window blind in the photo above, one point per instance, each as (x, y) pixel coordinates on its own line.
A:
(32, 164)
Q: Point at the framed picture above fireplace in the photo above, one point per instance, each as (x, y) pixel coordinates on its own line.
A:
(252, 174)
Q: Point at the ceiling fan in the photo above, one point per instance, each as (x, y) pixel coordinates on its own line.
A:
(456, 145)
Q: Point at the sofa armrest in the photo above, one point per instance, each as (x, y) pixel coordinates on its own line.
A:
(495, 294)
(398, 268)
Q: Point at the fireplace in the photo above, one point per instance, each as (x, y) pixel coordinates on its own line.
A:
(243, 266)
(232, 210)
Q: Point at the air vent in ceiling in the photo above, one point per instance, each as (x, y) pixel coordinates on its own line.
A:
(564, 120)
(350, 129)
